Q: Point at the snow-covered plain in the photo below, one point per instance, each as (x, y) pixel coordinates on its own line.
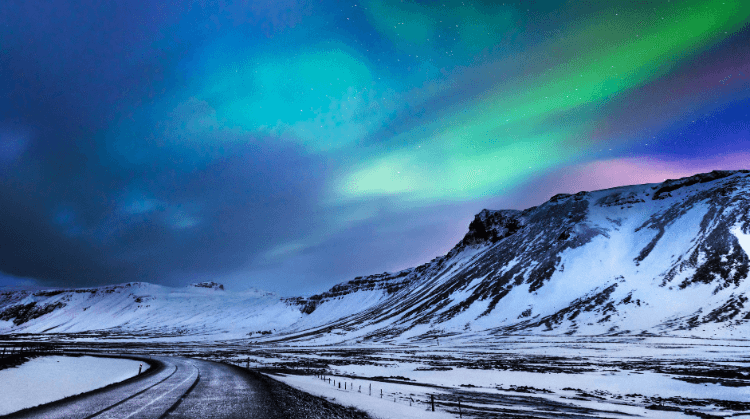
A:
(531, 376)
(398, 401)
(46, 379)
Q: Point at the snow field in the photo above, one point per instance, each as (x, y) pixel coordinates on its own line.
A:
(374, 405)
(395, 402)
(596, 377)
(46, 379)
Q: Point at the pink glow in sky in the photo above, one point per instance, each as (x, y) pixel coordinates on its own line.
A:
(604, 174)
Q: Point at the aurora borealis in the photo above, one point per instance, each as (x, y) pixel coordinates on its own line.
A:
(290, 145)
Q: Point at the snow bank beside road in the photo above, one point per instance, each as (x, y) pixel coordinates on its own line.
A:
(46, 379)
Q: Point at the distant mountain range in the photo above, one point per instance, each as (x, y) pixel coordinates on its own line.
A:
(655, 259)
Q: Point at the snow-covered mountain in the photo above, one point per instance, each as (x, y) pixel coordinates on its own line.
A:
(647, 259)
(668, 258)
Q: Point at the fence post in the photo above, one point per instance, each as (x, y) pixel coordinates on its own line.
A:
(432, 401)
(460, 415)
(370, 389)
(381, 393)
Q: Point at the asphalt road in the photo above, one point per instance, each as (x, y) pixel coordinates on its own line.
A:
(222, 392)
(172, 388)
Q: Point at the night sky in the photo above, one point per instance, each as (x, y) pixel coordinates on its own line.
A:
(291, 145)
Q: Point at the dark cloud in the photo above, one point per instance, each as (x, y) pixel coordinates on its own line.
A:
(145, 227)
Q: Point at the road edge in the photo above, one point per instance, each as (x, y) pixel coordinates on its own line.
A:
(155, 366)
(328, 405)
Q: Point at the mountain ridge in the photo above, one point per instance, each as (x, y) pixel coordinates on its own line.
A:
(665, 258)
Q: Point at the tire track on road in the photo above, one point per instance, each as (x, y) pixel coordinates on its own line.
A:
(177, 403)
(177, 386)
(133, 395)
(158, 399)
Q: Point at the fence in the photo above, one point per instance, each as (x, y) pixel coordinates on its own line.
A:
(349, 386)
(29, 349)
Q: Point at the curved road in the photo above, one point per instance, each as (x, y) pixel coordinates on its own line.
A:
(181, 388)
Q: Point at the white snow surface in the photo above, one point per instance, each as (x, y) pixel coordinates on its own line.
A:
(604, 379)
(395, 403)
(147, 309)
(46, 379)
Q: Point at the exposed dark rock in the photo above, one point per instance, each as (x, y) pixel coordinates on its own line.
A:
(210, 285)
(491, 226)
(23, 313)
(670, 185)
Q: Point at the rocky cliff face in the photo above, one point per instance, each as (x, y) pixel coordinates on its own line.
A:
(491, 226)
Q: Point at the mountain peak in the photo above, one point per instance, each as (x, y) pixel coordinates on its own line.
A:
(208, 284)
(489, 226)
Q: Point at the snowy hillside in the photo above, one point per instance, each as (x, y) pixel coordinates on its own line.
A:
(147, 310)
(668, 258)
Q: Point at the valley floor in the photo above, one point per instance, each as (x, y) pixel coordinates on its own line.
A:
(525, 377)
(522, 377)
